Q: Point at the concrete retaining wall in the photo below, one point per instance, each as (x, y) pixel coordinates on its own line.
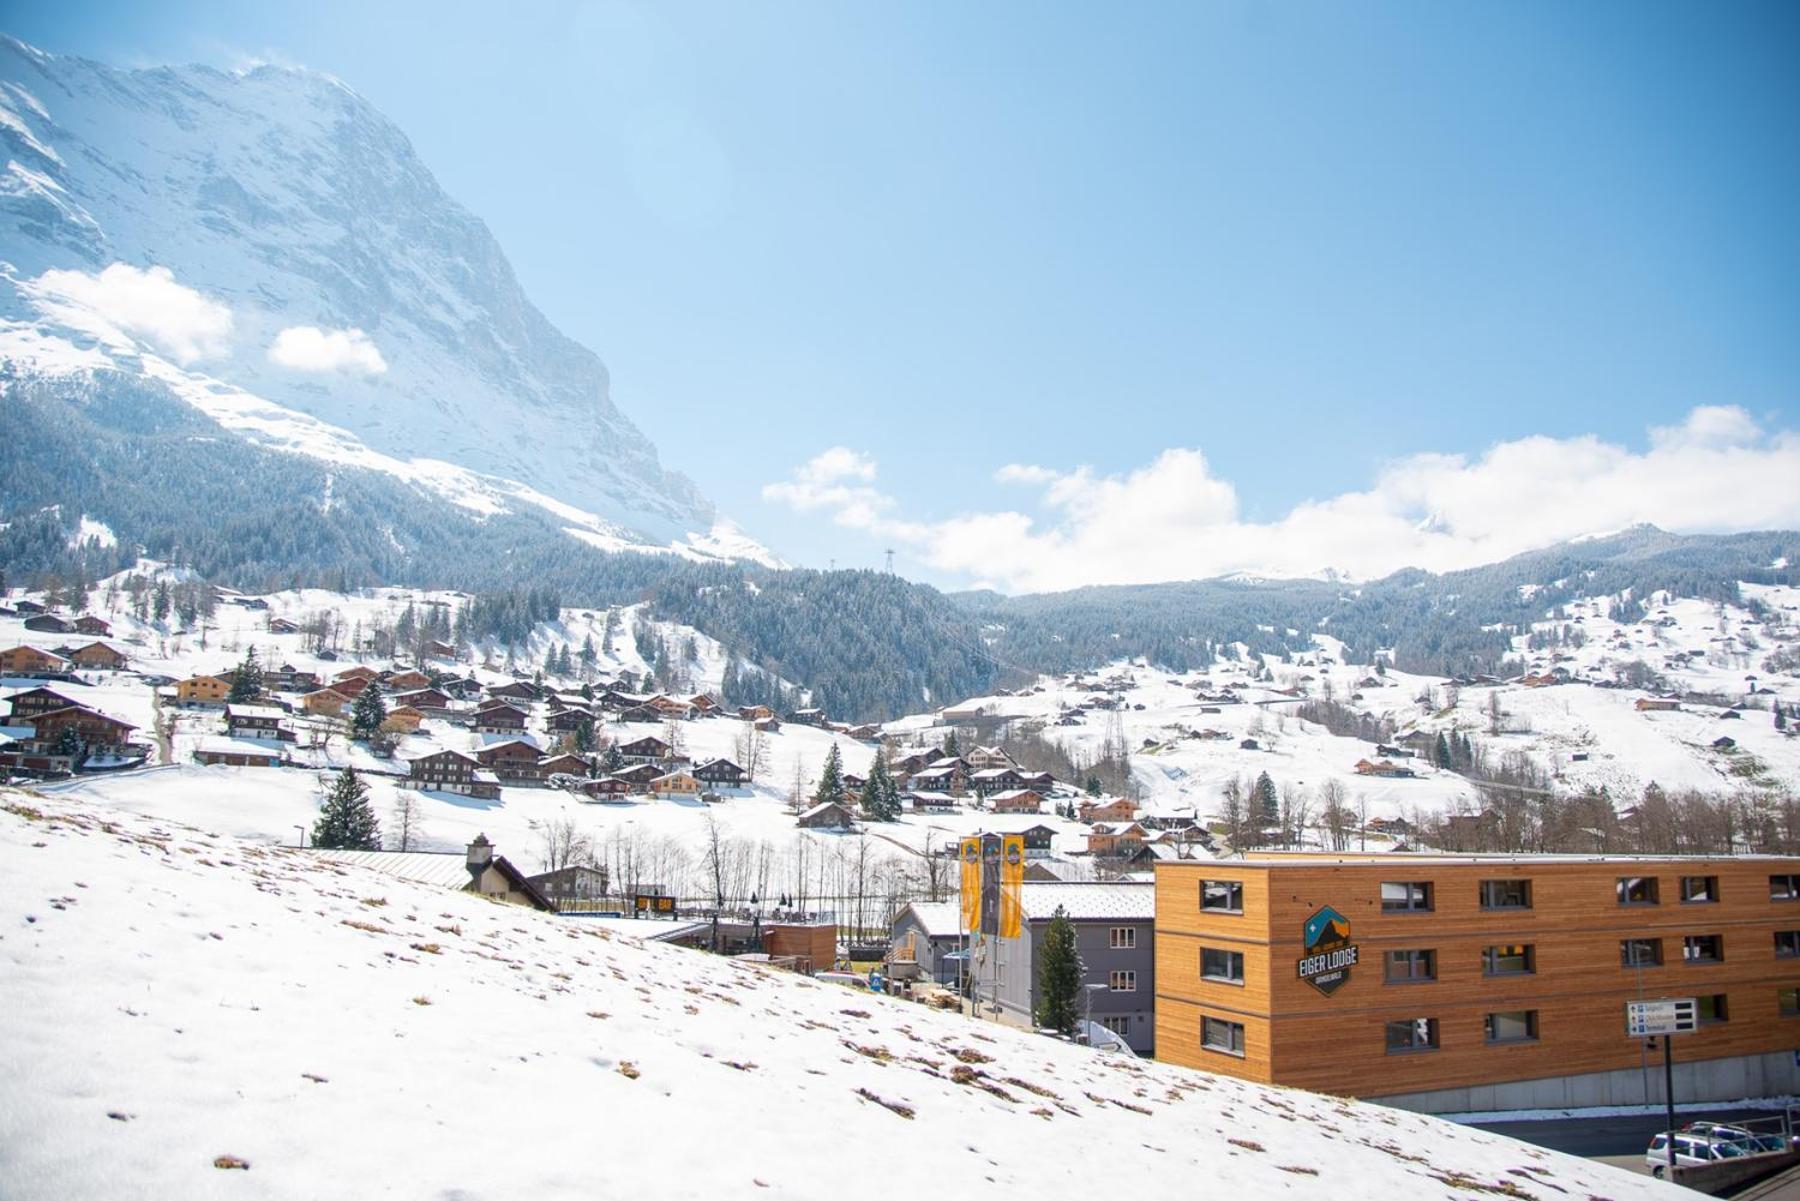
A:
(1773, 1075)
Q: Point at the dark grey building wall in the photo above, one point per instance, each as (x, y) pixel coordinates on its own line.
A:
(1013, 975)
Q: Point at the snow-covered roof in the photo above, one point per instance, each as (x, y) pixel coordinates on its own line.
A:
(1090, 902)
(446, 869)
(255, 712)
(219, 744)
(939, 919)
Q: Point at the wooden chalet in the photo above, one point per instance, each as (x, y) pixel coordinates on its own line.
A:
(359, 672)
(1384, 768)
(35, 701)
(768, 725)
(675, 784)
(499, 718)
(281, 625)
(668, 706)
(705, 705)
(30, 661)
(288, 678)
(720, 773)
(649, 749)
(238, 752)
(563, 765)
(403, 719)
(827, 816)
(324, 702)
(257, 721)
(605, 787)
(808, 717)
(755, 712)
(97, 656)
(92, 626)
(568, 721)
(1115, 809)
(639, 775)
(1018, 800)
(96, 730)
(426, 699)
(407, 681)
(1115, 838)
(49, 623)
(996, 779)
(451, 771)
(516, 690)
(351, 687)
(932, 802)
(513, 760)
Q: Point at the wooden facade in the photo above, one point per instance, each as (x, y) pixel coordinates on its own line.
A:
(1560, 956)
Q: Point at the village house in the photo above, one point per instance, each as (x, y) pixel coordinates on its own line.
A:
(451, 771)
(97, 656)
(1655, 704)
(827, 816)
(288, 678)
(1115, 838)
(768, 725)
(995, 779)
(517, 690)
(983, 758)
(407, 681)
(28, 608)
(1018, 800)
(358, 672)
(605, 788)
(720, 773)
(462, 688)
(478, 870)
(499, 718)
(92, 626)
(568, 721)
(755, 712)
(563, 765)
(324, 702)
(1384, 768)
(643, 715)
(1113, 809)
(49, 623)
(675, 784)
(576, 889)
(351, 687)
(938, 779)
(215, 751)
(96, 730)
(30, 661)
(256, 721)
(402, 719)
(426, 700)
(808, 717)
(514, 760)
(932, 802)
(36, 701)
(281, 625)
(648, 749)
(639, 775)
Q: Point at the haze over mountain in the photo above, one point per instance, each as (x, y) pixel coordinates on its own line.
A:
(266, 246)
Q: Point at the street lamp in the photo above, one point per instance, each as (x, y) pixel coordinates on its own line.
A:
(302, 841)
(1087, 996)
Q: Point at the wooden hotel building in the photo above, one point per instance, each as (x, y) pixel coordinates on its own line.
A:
(1458, 983)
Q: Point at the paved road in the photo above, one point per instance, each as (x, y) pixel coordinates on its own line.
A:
(1596, 1138)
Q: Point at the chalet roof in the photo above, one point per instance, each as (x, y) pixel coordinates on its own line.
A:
(219, 744)
(718, 763)
(445, 869)
(933, 798)
(471, 761)
(823, 807)
(1117, 828)
(105, 717)
(938, 919)
(1089, 902)
(993, 773)
(254, 712)
(1014, 794)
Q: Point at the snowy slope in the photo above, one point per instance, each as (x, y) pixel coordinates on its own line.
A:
(181, 224)
(176, 996)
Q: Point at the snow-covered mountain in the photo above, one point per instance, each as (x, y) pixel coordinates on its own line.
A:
(269, 248)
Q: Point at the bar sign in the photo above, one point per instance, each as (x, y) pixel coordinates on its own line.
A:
(1649, 1019)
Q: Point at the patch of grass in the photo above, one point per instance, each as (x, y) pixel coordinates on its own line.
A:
(421, 1000)
(1245, 1143)
(905, 1111)
(629, 1070)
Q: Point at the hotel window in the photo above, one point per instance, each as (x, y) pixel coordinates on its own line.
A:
(1640, 952)
(1703, 948)
(1637, 890)
(1784, 888)
(1789, 1000)
(1124, 982)
(1409, 966)
(1414, 1034)
(1222, 896)
(1511, 959)
(1511, 1026)
(1123, 938)
(1506, 894)
(1699, 890)
(1224, 966)
(1405, 896)
(1787, 944)
(1216, 1034)
(1710, 1008)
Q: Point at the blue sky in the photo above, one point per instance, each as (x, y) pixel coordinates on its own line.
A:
(1306, 241)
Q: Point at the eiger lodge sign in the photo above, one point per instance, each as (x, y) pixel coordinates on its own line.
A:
(1329, 952)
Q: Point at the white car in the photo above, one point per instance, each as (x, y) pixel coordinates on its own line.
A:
(1692, 1151)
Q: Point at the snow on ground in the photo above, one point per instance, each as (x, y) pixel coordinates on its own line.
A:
(179, 999)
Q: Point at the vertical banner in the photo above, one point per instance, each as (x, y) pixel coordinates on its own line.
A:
(1012, 885)
(990, 884)
(969, 853)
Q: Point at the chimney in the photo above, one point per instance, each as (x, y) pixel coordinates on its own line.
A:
(481, 853)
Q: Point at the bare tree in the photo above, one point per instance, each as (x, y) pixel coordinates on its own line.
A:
(1233, 812)
(563, 844)
(752, 750)
(675, 736)
(1335, 814)
(408, 815)
(797, 790)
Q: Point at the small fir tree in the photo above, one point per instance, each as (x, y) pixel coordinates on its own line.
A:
(1266, 803)
(952, 748)
(346, 820)
(247, 683)
(831, 780)
(1093, 787)
(1059, 977)
(369, 711)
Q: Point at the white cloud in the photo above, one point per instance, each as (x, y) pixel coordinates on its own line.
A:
(309, 348)
(1173, 519)
(123, 303)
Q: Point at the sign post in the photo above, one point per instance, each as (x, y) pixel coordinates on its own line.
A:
(1666, 1017)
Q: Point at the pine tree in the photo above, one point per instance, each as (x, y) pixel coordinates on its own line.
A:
(1059, 977)
(880, 797)
(831, 780)
(612, 760)
(247, 684)
(369, 711)
(584, 735)
(1264, 800)
(1093, 786)
(346, 820)
(952, 749)
(1440, 752)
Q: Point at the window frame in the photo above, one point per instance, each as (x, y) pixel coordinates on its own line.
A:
(1787, 1002)
(1423, 887)
(1490, 958)
(1531, 1025)
(1489, 905)
(1791, 884)
(1721, 1007)
(1430, 960)
(1630, 964)
(1234, 892)
(1234, 1046)
(1122, 938)
(1689, 941)
(1237, 980)
(1792, 950)
(1128, 975)
(1711, 886)
(1413, 1047)
(1623, 887)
